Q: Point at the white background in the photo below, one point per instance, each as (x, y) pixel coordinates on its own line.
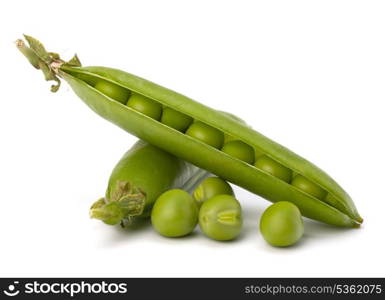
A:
(308, 74)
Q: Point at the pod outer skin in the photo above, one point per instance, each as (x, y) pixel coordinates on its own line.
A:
(337, 210)
(152, 170)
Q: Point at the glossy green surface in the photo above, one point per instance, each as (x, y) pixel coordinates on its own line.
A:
(175, 119)
(139, 178)
(341, 211)
(308, 187)
(281, 224)
(211, 187)
(228, 138)
(206, 134)
(337, 208)
(240, 150)
(235, 118)
(220, 218)
(145, 106)
(274, 168)
(174, 214)
(90, 80)
(112, 90)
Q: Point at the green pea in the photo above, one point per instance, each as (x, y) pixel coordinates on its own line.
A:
(88, 79)
(273, 167)
(220, 218)
(228, 138)
(211, 187)
(309, 187)
(206, 134)
(174, 214)
(176, 119)
(113, 91)
(240, 150)
(145, 106)
(281, 224)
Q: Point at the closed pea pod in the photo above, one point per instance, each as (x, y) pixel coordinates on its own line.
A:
(337, 208)
(138, 179)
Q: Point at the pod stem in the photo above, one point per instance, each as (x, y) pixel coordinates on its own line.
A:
(126, 202)
(48, 62)
(109, 213)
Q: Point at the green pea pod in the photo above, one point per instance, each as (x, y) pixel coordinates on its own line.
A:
(335, 208)
(139, 178)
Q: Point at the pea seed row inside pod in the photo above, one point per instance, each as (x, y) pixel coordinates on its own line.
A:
(208, 135)
(210, 139)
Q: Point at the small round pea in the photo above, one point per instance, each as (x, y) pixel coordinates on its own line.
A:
(211, 187)
(281, 224)
(309, 187)
(273, 167)
(240, 150)
(206, 134)
(113, 91)
(145, 106)
(176, 119)
(220, 218)
(174, 214)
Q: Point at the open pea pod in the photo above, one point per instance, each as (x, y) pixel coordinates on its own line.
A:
(334, 207)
